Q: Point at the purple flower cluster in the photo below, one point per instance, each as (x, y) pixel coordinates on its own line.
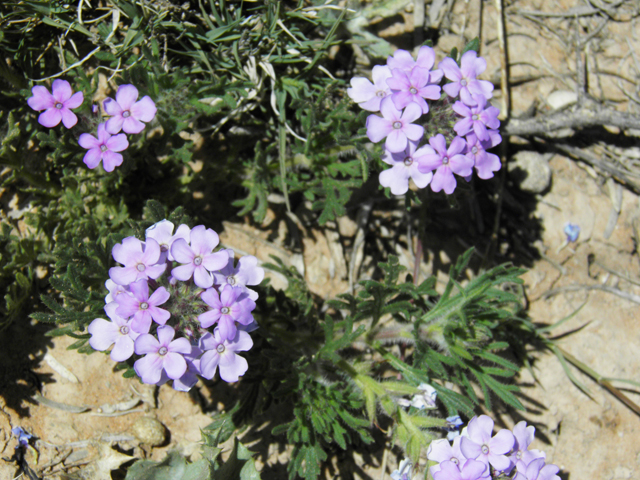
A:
(478, 454)
(127, 114)
(181, 307)
(400, 93)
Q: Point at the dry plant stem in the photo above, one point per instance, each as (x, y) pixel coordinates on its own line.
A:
(589, 115)
(605, 288)
(592, 261)
(587, 157)
(602, 381)
(504, 64)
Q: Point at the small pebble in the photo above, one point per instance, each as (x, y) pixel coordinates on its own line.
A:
(149, 431)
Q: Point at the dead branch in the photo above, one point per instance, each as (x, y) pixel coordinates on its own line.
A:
(591, 114)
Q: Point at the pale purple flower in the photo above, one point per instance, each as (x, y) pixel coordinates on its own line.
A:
(412, 87)
(142, 307)
(485, 163)
(536, 470)
(231, 305)
(426, 399)
(463, 78)
(404, 471)
(114, 290)
(161, 354)
(572, 231)
(470, 470)
(369, 95)
(442, 451)
(220, 352)
(453, 424)
(139, 260)
(247, 272)
(524, 436)
(198, 257)
(476, 119)
(396, 126)
(162, 232)
(103, 149)
(445, 162)
(482, 446)
(426, 59)
(56, 105)
(117, 332)
(127, 114)
(23, 437)
(404, 167)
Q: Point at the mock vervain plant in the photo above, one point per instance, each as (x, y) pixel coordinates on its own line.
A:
(149, 285)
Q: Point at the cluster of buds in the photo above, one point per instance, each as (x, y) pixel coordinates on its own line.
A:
(180, 307)
(400, 93)
(127, 114)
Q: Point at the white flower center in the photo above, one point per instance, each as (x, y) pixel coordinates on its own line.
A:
(231, 280)
(519, 454)
(474, 150)
(463, 82)
(164, 247)
(126, 114)
(124, 330)
(445, 160)
(413, 90)
(474, 116)
(224, 310)
(162, 351)
(59, 105)
(220, 348)
(103, 148)
(455, 460)
(140, 267)
(197, 261)
(397, 125)
(144, 306)
(381, 94)
(485, 449)
(408, 161)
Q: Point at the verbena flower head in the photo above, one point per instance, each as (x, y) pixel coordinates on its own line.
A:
(164, 320)
(415, 92)
(57, 105)
(128, 114)
(104, 148)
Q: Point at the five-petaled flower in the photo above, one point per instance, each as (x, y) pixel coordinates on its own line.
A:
(230, 306)
(117, 332)
(104, 148)
(198, 258)
(395, 125)
(139, 260)
(128, 114)
(56, 105)
(161, 354)
(221, 352)
(142, 307)
(445, 161)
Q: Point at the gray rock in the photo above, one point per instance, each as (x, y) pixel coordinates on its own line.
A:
(530, 171)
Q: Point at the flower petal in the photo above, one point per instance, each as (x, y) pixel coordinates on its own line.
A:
(41, 99)
(174, 364)
(144, 109)
(126, 96)
(50, 118)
